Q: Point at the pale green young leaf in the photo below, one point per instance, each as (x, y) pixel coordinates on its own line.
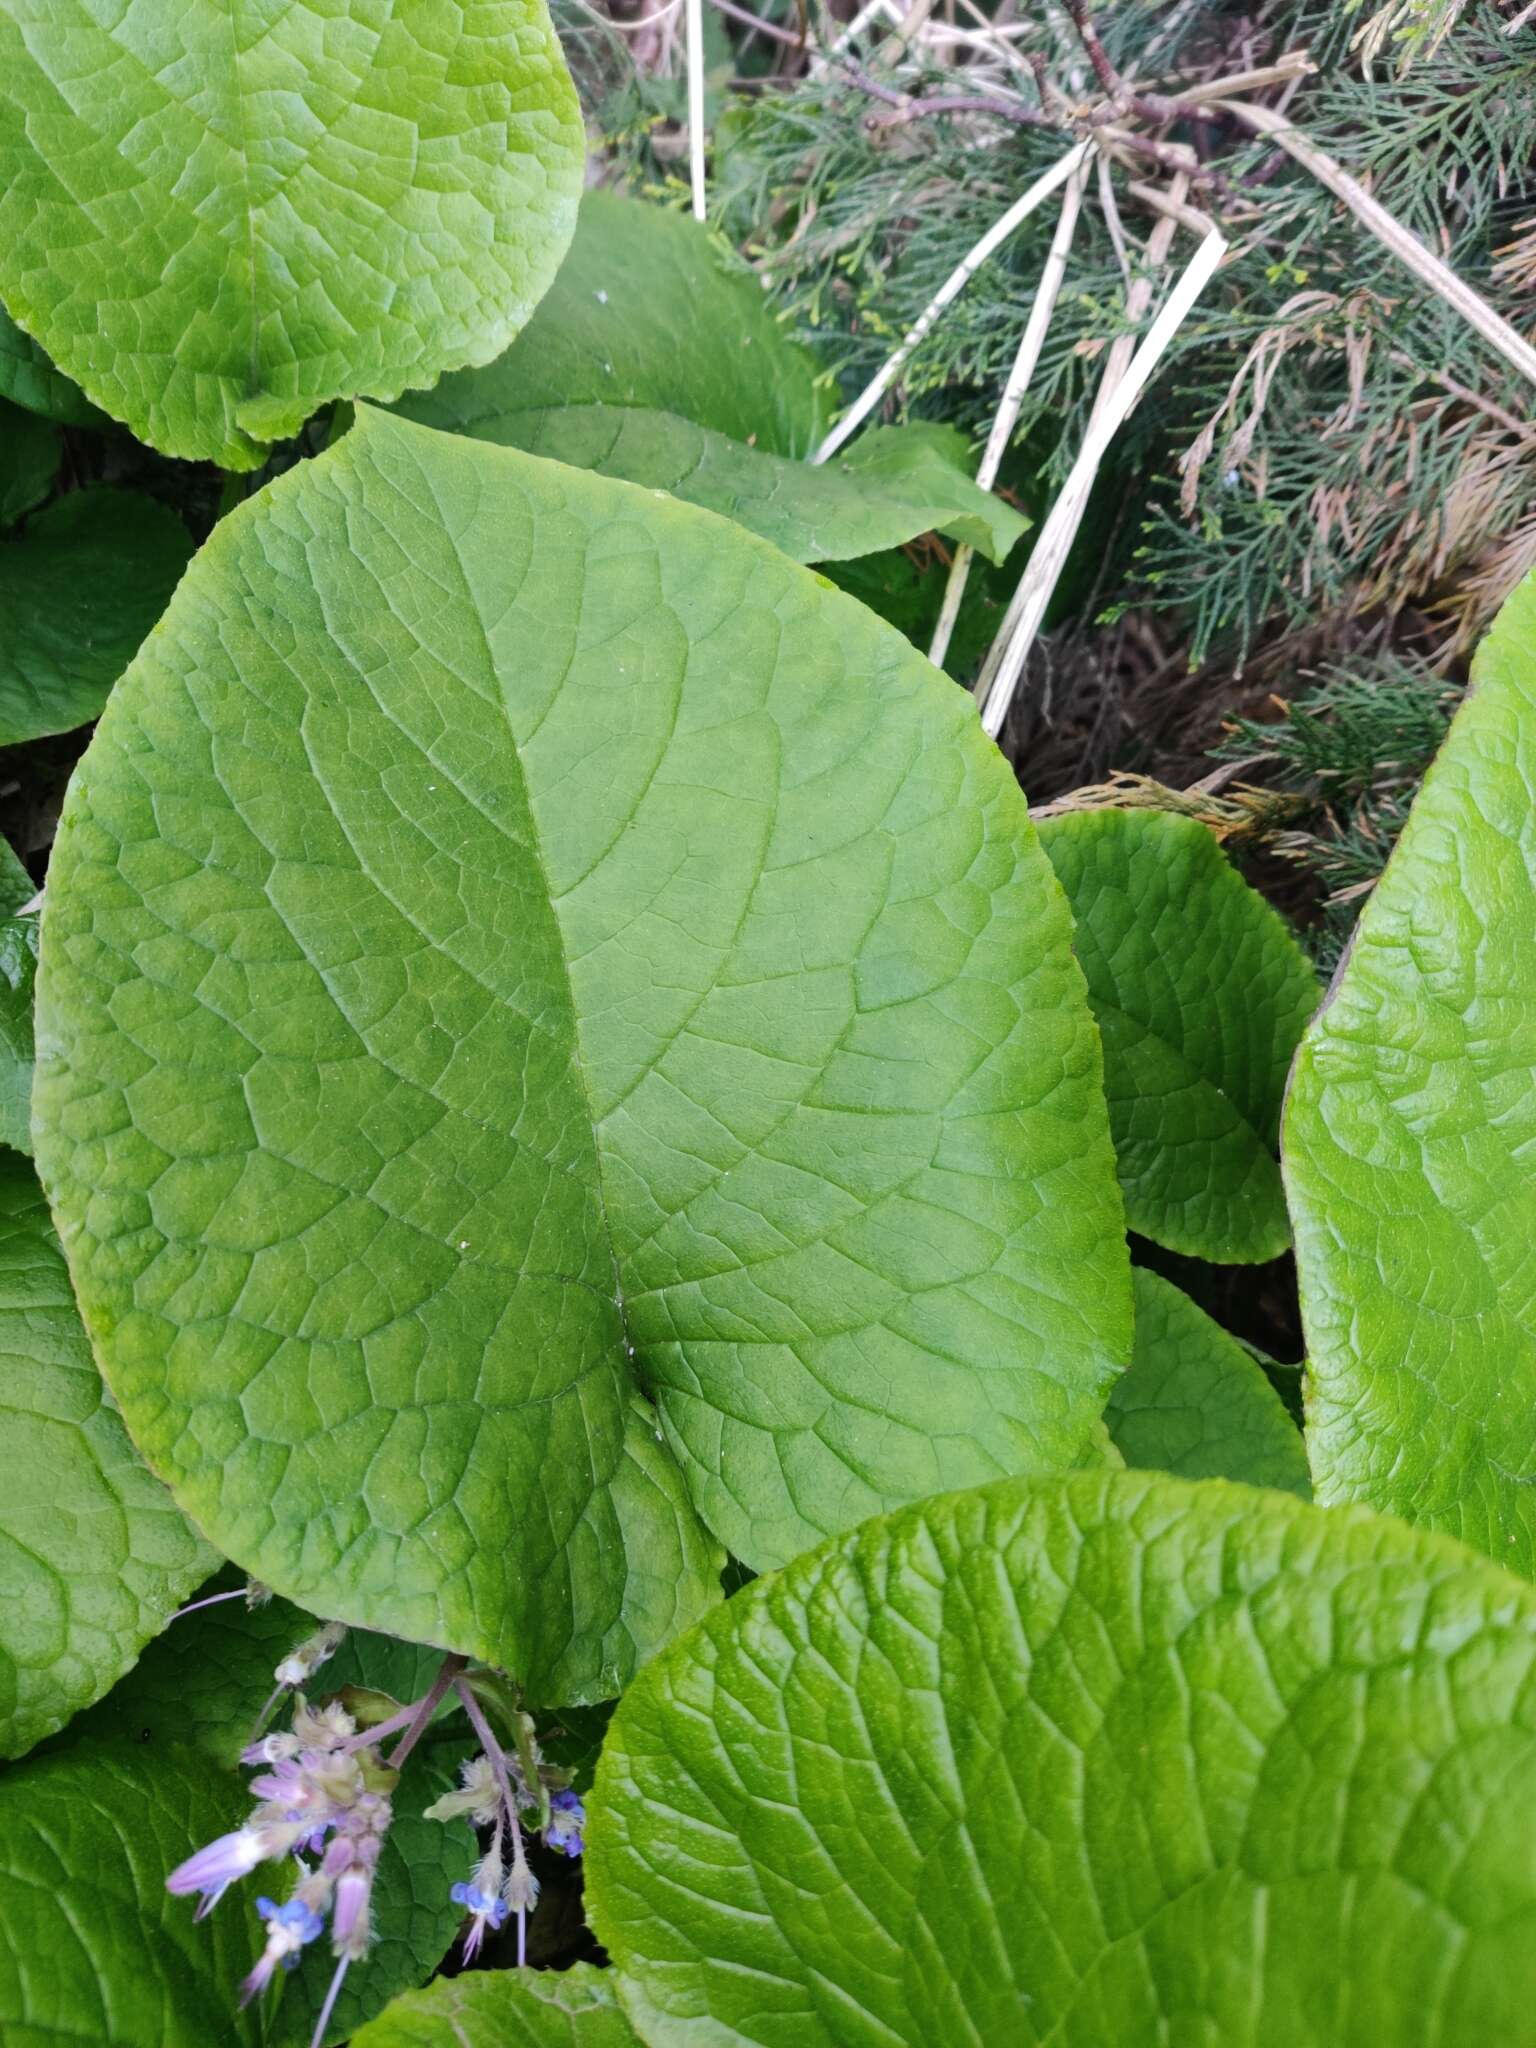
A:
(215, 220)
(515, 939)
(1104, 1758)
(29, 378)
(93, 1948)
(18, 976)
(1407, 1146)
(93, 1551)
(1196, 1404)
(1201, 994)
(575, 2008)
(80, 587)
(649, 311)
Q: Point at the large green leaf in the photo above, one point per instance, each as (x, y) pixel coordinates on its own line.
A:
(650, 311)
(92, 1946)
(1408, 1140)
(29, 378)
(1201, 994)
(1104, 1758)
(93, 1553)
(652, 361)
(18, 975)
(575, 2008)
(214, 220)
(515, 938)
(79, 589)
(1196, 1404)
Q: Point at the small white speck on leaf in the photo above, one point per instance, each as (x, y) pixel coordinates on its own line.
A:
(601, 297)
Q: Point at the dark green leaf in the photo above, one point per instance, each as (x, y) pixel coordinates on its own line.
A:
(18, 974)
(30, 453)
(1201, 994)
(1196, 1404)
(1085, 1760)
(648, 311)
(79, 589)
(92, 1946)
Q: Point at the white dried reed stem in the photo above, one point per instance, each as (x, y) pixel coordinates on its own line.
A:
(1005, 662)
(948, 291)
(1007, 417)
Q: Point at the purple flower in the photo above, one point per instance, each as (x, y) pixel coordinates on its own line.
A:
(567, 1818)
(215, 1868)
(289, 1928)
(486, 1909)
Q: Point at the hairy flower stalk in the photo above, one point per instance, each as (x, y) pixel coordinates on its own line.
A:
(507, 1791)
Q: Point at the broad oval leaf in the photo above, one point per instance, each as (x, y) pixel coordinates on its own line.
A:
(215, 221)
(1195, 1403)
(1408, 1136)
(513, 940)
(1201, 994)
(652, 361)
(92, 1946)
(1103, 1758)
(30, 378)
(80, 587)
(93, 1551)
(649, 311)
(574, 2008)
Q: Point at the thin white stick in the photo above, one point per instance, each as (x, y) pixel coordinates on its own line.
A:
(1391, 233)
(1526, 14)
(1005, 662)
(949, 290)
(694, 18)
(1007, 418)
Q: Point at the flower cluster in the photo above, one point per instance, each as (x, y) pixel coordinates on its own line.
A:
(321, 1793)
(508, 1791)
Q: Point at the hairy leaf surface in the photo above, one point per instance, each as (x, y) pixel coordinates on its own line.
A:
(575, 2008)
(93, 1551)
(1085, 1760)
(1201, 994)
(515, 939)
(92, 1946)
(79, 589)
(1408, 1139)
(652, 361)
(214, 220)
(1194, 1403)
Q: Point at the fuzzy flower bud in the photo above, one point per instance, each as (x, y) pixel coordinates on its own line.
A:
(567, 1819)
(318, 1649)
